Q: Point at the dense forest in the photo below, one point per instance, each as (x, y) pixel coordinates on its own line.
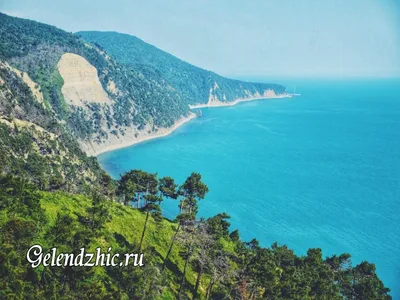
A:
(53, 194)
(38, 147)
(193, 83)
(153, 92)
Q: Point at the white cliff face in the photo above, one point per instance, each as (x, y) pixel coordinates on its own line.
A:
(81, 82)
(213, 99)
(82, 86)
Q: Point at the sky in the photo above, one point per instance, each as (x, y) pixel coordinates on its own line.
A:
(245, 38)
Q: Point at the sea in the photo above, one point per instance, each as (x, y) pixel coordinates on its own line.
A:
(319, 170)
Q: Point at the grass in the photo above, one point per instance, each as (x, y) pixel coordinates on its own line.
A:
(126, 225)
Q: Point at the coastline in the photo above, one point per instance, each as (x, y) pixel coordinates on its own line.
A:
(217, 103)
(135, 137)
(129, 138)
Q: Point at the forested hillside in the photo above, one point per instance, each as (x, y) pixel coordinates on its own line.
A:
(35, 145)
(194, 84)
(37, 48)
(53, 194)
(186, 259)
(146, 88)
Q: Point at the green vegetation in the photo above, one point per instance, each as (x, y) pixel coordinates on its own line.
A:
(206, 262)
(52, 194)
(193, 84)
(34, 145)
(154, 87)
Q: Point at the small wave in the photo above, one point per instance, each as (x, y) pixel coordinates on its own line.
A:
(265, 128)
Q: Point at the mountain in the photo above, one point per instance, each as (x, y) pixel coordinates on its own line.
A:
(107, 85)
(62, 96)
(194, 85)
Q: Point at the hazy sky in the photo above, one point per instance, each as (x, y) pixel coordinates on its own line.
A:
(246, 37)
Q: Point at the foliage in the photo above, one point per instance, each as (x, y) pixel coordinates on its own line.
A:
(193, 84)
(59, 197)
(154, 88)
(200, 264)
(38, 156)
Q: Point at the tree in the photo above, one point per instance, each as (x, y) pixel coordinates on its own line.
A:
(203, 253)
(98, 212)
(168, 188)
(192, 190)
(107, 185)
(219, 225)
(135, 183)
(220, 270)
(126, 188)
(151, 207)
(343, 273)
(366, 284)
(189, 240)
(235, 236)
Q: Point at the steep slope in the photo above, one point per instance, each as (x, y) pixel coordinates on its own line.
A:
(195, 85)
(57, 91)
(232, 269)
(134, 102)
(110, 87)
(34, 144)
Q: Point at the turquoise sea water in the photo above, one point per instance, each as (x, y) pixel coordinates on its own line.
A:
(319, 170)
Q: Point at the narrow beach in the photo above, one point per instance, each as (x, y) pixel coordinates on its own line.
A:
(237, 101)
(129, 139)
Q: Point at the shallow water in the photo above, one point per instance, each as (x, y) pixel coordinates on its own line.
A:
(319, 170)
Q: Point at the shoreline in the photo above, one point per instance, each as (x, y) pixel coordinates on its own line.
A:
(237, 101)
(129, 140)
